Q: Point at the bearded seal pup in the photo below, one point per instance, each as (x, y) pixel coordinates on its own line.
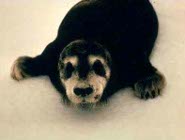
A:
(102, 46)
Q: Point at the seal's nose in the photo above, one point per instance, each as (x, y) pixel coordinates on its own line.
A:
(83, 92)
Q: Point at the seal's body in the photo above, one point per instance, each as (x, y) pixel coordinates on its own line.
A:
(108, 41)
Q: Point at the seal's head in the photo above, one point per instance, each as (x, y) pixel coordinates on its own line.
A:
(84, 69)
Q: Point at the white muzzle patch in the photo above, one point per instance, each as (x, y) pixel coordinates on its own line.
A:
(94, 81)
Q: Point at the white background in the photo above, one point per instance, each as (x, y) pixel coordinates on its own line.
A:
(32, 109)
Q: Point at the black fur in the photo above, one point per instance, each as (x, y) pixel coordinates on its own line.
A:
(126, 28)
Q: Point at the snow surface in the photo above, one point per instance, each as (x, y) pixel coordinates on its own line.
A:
(32, 109)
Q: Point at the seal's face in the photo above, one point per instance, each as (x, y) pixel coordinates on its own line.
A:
(84, 70)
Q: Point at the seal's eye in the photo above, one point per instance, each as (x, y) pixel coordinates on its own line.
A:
(99, 68)
(68, 70)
